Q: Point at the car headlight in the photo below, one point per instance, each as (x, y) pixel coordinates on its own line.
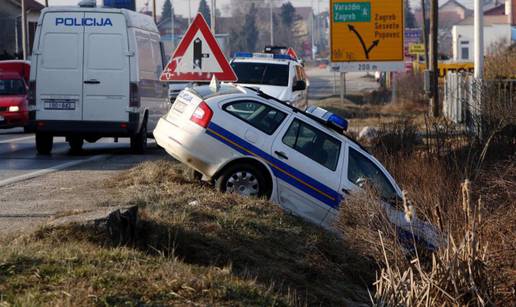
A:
(14, 108)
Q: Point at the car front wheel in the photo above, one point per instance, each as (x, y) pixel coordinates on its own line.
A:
(243, 179)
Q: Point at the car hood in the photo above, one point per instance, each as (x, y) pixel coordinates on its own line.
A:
(14, 100)
(279, 92)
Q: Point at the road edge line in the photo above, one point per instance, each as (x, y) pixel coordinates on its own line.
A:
(50, 170)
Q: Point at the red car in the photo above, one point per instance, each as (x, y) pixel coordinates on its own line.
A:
(14, 76)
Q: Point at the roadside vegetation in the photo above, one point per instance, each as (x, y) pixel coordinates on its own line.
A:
(195, 246)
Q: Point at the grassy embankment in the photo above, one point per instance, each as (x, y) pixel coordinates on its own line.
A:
(194, 246)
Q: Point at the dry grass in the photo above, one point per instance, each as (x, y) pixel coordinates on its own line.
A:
(194, 247)
(458, 274)
(361, 115)
(477, 266)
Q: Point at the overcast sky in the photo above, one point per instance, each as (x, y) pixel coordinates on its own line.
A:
(181, 6)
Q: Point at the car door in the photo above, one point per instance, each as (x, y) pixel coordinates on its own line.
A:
(106, 68)
(307, 169)
(59, 67)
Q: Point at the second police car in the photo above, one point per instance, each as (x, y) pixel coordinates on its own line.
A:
(278, 75)
(250, 143)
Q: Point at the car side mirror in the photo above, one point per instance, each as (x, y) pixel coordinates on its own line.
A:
(300, 85)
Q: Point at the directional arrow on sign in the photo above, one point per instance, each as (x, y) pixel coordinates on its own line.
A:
(366, 50)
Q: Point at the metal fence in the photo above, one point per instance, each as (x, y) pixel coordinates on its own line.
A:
(479, 105)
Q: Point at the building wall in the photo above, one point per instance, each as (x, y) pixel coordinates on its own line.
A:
(493, 34)
(8, 21)
(10, 28)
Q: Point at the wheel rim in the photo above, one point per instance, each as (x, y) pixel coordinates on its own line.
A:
(243, 183)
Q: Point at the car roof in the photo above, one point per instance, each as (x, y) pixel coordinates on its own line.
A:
(262, 60)
(206, 92)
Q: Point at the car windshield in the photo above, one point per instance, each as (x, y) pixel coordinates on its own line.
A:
(261, 73)
(12, 87)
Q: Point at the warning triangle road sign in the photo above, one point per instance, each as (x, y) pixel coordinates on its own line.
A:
(198, 57)
(292, 53)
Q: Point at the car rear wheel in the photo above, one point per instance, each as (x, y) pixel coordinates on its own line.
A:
(243, 179)
(76, 143)
(44, 143)
(139, 141)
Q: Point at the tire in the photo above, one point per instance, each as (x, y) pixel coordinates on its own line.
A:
(76, 143)
(27, 129)
(243, 179)
(139, 141)
(44, 143)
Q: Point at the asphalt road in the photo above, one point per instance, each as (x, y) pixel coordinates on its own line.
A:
(36, 189)
(19, 160)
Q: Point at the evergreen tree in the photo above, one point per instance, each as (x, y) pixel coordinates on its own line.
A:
(288, 14)
(250, 29)
(167, 10)
(204, 9)
(410, 19)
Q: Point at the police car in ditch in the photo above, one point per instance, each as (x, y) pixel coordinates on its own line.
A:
(250, 143)
(278, 75)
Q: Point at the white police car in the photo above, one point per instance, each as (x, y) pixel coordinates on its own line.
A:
(252, 144)
(277, 75)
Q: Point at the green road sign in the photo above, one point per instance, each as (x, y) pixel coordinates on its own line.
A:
(352, 12)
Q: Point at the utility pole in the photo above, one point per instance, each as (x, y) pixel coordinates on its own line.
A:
(212, 18)
(313, 46)
(434, 58)
(479, 39)
(154, 11)
(24, 30)
(425, 32)
(272, 23)
(173, 24)
(46, 3)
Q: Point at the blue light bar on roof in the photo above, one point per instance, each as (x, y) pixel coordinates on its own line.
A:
(240, 54)
(334, 121)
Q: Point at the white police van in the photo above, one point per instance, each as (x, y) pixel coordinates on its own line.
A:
(252, 144)
(95, 73)
(277, 75)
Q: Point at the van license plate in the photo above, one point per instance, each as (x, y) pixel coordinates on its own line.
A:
(60, 104)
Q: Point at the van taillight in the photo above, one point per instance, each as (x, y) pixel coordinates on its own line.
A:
(202, 115)
(31, 97)
(134, 96)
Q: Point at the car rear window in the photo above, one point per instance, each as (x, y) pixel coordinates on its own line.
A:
(261, 73)
(12, 87)
(258, 115)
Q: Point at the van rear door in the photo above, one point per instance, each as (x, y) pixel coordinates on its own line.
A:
(106, 68)
(59, 67)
